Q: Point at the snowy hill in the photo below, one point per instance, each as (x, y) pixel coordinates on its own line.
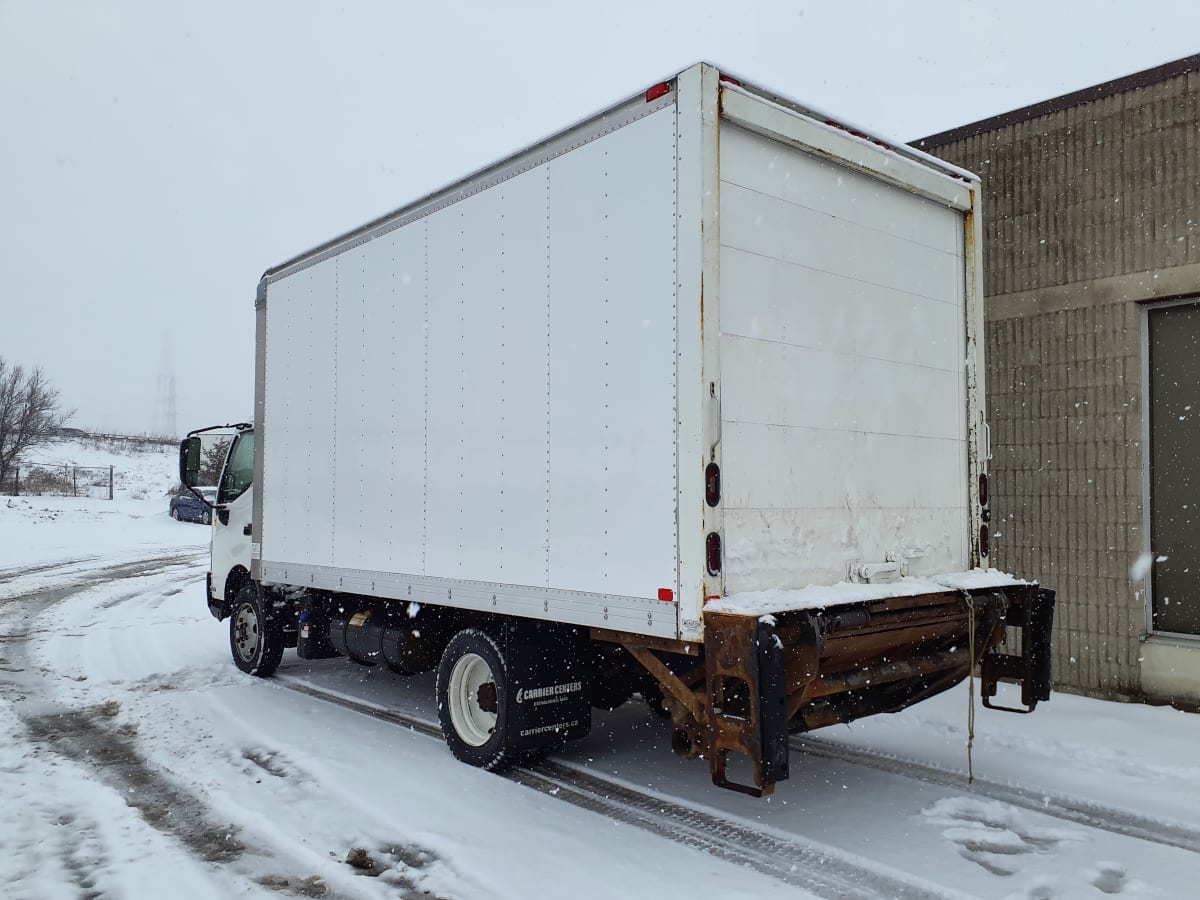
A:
(38, 529)
(142, 469)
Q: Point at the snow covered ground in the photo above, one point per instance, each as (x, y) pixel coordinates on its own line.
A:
(41, 529)
(136, 761)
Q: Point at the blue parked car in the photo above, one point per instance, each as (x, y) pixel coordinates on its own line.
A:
(185, 507)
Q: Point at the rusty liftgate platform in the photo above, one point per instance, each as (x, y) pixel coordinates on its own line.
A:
(760, 677)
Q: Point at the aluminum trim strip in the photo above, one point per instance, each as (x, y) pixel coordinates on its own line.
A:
(842, 147)
(260, 402)
(637, 615)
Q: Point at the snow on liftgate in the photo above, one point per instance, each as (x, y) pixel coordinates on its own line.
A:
(683, 401)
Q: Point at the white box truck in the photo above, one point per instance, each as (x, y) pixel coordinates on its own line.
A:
(683, 401)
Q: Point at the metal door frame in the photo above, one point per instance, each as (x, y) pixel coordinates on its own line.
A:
(1148, 583)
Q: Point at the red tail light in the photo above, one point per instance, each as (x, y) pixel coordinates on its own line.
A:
(712, 553)
(712, 484)
(983, 490)
(985, 546)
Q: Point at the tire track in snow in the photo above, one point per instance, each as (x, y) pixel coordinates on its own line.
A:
(18, 611)
(1059, 806)
(14, 572)
(84, 737)
(817, 868)
(67, 575)
(79, 736)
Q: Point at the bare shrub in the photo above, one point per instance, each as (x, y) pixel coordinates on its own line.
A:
(30, 413)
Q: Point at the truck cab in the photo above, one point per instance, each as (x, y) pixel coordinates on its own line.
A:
(230, 450)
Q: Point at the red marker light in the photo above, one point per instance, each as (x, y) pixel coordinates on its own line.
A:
(666, 595)
(659, 90)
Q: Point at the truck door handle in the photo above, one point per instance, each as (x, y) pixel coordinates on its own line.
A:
(246, 531)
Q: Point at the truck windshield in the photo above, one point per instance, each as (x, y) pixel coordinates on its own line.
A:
(239, 473)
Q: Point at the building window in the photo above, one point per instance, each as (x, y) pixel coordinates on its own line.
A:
(1174, 482)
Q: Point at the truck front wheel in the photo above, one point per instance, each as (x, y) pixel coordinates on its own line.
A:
(471, 684)
(255, 636)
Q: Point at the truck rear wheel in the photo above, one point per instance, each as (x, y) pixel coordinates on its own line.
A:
(471, 684)
(255, 636)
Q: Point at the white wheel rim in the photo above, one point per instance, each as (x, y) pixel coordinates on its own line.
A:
(245, 632)
(474, 724)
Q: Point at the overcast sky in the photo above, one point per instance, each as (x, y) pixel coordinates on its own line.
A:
(156, 157)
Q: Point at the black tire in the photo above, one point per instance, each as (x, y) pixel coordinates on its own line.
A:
(472, 713)
(255, 635)
(175, 514)
(206, 518)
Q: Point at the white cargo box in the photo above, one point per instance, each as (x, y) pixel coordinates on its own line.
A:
(506, 395)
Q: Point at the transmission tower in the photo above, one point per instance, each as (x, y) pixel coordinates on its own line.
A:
(164, 403)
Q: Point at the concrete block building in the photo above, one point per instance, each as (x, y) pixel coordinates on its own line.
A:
(1091, 206)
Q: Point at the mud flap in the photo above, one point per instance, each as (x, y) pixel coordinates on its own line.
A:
(772, 704)
(1032, 669)
(1041, 628)
(215, 607)
(748, 700)
(549, 691)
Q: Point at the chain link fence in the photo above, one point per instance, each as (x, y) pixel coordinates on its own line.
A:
(60, 481)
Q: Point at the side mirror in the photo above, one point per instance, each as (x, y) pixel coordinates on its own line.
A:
(189, 461)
